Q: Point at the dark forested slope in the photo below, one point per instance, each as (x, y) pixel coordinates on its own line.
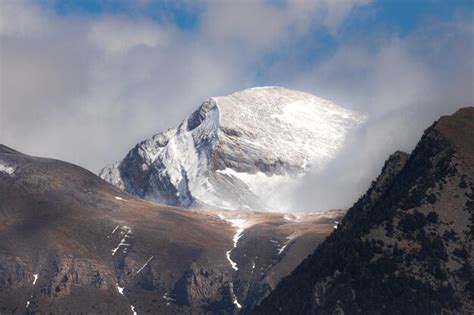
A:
(405, 247)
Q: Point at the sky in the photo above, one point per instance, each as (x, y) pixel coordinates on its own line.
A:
(84, 80)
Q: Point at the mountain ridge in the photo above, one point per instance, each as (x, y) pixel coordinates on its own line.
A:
(409, 249)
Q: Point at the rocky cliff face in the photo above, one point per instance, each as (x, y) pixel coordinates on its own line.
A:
(236, 151)
(72, 243)
(406, 246)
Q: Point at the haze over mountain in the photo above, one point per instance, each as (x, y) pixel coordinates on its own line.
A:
(406, 246)
(248, 150)
(72, 243)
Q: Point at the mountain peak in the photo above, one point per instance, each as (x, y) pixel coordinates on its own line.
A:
(459, 129)
(235, 150)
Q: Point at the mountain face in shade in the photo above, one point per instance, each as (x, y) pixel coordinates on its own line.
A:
(71, 243)
(237, 151)
(406, 247)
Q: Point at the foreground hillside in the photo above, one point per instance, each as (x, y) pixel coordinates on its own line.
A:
(406, 246)
(72, 243)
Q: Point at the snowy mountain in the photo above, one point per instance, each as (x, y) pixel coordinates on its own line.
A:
(236, 151)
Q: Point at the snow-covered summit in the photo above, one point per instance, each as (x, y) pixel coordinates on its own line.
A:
(236, 151)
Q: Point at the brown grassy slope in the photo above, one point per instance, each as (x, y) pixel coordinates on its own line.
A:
(62, 222)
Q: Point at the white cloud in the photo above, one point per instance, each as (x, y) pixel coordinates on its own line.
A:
(338, 10)
(85, 89)
(260, 25)
(403, 84)
(20, 18)
(120, 34)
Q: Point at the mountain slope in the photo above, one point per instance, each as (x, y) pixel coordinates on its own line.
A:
(406, 246)
(236, 151)
(72, 243)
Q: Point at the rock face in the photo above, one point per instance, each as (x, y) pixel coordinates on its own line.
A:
(406, 247)
(236, 151)
(71, 243)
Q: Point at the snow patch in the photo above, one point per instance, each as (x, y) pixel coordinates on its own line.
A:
(146, 263)
(111, 174)
(119, 288)
(35, 278)
(27, 304)
(123, 242)
(322, 125)
(292, 218)
(281, 249)
(119, 198)
(167, 297)
(232, 263)
(234, 297)
(6, 169)
(239, 224)
(133, 309)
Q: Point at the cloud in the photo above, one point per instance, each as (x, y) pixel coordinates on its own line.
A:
(21, 19)
(263, 25)
(85, 88)
(403, 84)
(337, 11)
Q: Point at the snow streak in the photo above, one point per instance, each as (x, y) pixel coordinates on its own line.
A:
(123, 242)
(281, 249)
(234, 297)
(146, 263)
(168, 298)
(239, 224)
(7, 169)
(119, 288)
